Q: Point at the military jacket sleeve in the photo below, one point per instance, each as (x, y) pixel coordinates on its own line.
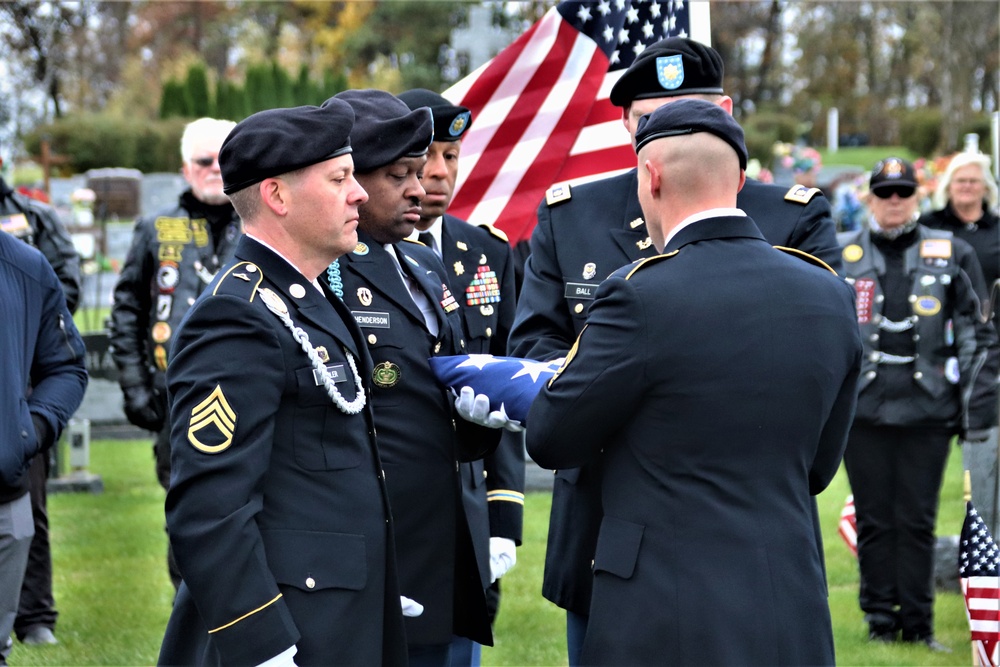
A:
(222, 433)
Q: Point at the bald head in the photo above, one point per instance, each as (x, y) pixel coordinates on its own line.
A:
(685, 174)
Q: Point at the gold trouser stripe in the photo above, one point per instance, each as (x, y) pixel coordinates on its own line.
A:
(231, 623)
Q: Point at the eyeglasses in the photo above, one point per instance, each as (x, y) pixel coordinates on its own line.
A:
(204, 162)
(901, 191)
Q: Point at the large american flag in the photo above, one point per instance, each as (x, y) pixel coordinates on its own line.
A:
(540, 108)
(978, 565)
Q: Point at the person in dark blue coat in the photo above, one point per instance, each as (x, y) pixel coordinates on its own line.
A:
(714, 387)
(584, 234)
(479, 265)
(277, 510)
(43, 383)
(400, 298)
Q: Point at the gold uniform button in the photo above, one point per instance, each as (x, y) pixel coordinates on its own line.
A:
(578, 308)
(485, 474)
(917, 375)
(372, 339)
(310, 582)
(489, 332)
(870, 375)
(251, 268)
(437, 348)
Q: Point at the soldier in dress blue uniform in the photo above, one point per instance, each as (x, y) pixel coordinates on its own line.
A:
(714, 386)
(584, 234)
(480, 269)
(278, 510)
(400, 297)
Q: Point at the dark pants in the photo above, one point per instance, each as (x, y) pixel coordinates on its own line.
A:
(37, 607)
(896, 475)
(576, 631)
(161, 452)
(429, 655)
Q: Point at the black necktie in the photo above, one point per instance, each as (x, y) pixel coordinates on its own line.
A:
(428, 240)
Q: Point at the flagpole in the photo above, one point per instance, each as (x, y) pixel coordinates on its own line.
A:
(967, 487)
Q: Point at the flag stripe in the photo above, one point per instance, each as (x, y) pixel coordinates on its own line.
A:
(540, 108)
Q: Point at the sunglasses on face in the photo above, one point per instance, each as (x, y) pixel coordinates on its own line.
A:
(204, 162)
(901, 191)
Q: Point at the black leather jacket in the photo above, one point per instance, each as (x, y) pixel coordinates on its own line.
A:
(38, 224)
(930, 358)
(173, 256)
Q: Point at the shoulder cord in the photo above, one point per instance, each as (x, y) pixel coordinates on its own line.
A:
(301, 337)
(334, 280)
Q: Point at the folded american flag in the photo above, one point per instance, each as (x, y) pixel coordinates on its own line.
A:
(511, 383)
(978, 566)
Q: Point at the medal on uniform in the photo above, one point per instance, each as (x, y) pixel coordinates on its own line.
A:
(365, 296)
(589, 271)
(323, 354)
(386, 374)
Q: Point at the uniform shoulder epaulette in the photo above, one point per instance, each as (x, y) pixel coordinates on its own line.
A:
(812, 259)
(241, 280)
(648, 261)
(499, 233)
(800, 194)
(418, 242)
(559, 192)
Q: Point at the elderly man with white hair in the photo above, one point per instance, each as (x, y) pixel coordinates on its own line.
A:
(965, 204)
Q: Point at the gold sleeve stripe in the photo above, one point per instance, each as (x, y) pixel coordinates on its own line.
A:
(806, 256)
(505, 495)
(247, 615)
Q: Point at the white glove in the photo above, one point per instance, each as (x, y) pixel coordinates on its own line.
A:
(475, 408)
(503, 555)
(411, 608)
(284, 659)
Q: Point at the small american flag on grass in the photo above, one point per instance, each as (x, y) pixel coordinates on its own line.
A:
(978, 564)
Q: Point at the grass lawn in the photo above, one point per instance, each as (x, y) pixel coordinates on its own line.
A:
(865, 156)
(114, 596)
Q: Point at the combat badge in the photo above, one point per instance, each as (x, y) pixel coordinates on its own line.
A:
(589, 271)
(853, 253)
(386, 375)
(459, 268)
(365, 296)
(212, 424)
(644, 244)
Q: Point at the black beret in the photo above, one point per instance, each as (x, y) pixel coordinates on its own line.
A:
(450, 121)
(688, 117)
(277, 141)
(892, 171)
(385, 129)
(670, 67)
